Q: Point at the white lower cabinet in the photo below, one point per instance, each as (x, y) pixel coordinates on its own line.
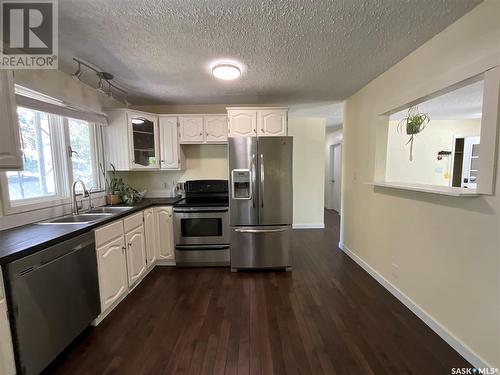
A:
(150, 236)
(127, 250)
(112, 265)
(136, 254)
(7, 364)
(165, 234)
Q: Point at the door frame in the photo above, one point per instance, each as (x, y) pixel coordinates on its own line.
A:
(331, 173)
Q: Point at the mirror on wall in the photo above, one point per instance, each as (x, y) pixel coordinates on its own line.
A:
(437, 141)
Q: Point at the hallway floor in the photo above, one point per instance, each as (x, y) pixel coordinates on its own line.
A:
(328, 316)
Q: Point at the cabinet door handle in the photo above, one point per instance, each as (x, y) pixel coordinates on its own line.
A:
(123, 249)
(129, 244)
(201, 133)
(262, 130)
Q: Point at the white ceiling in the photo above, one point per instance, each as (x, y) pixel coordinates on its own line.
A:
(461, 104)
(295, 51)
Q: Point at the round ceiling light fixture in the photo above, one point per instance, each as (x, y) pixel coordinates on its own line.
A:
(226, 71)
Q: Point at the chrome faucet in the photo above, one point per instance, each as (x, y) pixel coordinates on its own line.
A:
(76, 207)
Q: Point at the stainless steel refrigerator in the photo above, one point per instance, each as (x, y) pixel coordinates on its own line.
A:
(260, 201)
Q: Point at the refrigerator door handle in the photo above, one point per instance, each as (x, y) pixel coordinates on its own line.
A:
(252, 172)
(261, 191)
(241, 230)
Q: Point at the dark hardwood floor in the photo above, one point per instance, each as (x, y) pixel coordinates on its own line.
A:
(328, 316)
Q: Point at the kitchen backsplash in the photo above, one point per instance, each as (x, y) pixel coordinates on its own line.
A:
(202, 162)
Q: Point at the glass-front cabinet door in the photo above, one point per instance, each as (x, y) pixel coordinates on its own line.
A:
(143, 139)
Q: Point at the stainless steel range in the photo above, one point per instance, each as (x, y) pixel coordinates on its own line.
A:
(201, 224)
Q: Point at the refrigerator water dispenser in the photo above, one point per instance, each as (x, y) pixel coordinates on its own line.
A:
(242, 187)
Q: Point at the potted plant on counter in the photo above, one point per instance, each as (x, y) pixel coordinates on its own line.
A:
(114, 186)
(414, 123)
(119, 191)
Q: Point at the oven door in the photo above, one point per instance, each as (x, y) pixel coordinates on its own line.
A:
(201, 226)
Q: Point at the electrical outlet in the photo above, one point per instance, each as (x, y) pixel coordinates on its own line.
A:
(165, 185)
(395, 270)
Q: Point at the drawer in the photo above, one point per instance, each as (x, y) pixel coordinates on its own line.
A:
(133, 221)
(108, 233)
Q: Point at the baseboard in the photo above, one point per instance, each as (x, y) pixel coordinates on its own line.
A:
(309, 226)
(428, 319)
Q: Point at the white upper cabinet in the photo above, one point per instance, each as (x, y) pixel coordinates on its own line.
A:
(10, 146)
(272, 122)
(172, 156)
(215, 128)
(242, 122)
(250, 122)
(191, 129)
(143, 140)
(132, 140)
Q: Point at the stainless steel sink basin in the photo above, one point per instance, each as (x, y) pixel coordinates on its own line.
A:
(110, 209)
(86, 218)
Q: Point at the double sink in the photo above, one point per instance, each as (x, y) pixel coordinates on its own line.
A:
(88, 217)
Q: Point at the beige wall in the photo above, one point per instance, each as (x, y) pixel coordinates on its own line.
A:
(425, 168)
(447, 248)
(308, 169)
(332, 137)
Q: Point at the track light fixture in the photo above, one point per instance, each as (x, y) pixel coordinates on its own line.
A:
(104, 78)
(76, 75)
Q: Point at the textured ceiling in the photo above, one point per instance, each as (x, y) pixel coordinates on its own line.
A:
(295, 51)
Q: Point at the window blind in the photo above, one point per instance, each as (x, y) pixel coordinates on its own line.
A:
(26, 99)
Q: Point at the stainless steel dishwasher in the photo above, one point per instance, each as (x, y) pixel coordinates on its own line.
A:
(54, 295)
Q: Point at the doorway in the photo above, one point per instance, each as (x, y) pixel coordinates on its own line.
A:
(465, 162)
(335, 176)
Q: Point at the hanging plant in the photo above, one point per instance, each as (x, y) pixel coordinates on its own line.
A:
(414, 123)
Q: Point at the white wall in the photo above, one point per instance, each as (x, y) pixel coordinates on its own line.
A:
(447, 248)
(308, 170)
(425, 168)
(333, 136)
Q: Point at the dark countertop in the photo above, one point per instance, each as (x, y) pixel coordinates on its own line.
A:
(21, 241)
